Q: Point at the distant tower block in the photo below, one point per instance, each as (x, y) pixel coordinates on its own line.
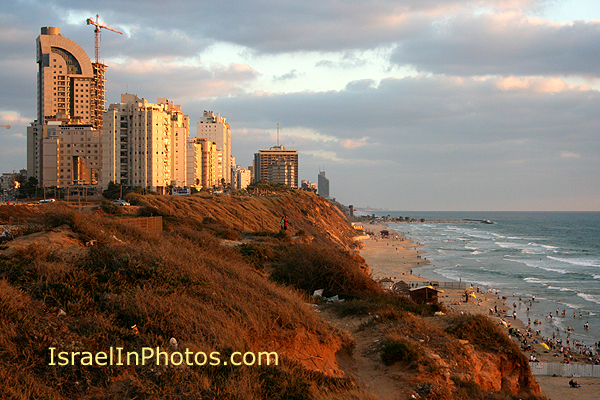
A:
(351, 210)
(323, 185)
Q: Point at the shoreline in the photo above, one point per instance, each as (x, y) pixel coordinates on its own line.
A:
(397, 258)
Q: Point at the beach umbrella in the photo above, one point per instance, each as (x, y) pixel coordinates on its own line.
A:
(544, 345)
(473, 295)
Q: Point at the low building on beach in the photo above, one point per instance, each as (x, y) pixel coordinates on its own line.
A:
(424, 294)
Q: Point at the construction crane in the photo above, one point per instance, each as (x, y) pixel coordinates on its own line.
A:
(97, 32)
(6, 126)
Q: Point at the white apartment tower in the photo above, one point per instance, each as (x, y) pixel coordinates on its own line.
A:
(144, 144)
(215, 129)
(202, 163)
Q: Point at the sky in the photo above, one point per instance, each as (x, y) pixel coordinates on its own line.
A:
(444, 105)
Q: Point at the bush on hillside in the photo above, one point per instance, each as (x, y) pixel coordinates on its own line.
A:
(399, 350)
(110, 208)
(485, 334)
(311, 267)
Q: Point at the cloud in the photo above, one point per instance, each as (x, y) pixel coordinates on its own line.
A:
(540, 85)
(346, 61)
(568, 154)
(503, 43)
(293, 74)
(180, 82)
(432, 130)
(354, 144)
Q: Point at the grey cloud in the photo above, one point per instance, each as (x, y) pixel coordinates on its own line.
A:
(293, 74)
(442, 136)
(494, 44)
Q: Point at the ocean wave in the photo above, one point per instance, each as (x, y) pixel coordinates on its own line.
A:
(529, 248)
(535, 264)
(569, 305)
(535, 280)
(594, 298)
(585, 262)
(562, 289)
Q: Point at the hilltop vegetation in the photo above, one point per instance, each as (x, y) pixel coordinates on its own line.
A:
(220, 277)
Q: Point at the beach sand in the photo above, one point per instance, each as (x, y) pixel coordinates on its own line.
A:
(397, 258)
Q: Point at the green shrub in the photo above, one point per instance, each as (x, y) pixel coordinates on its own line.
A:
(110, 208)
(400, 350)
(485, 334)
(257, 254)
(312, 267)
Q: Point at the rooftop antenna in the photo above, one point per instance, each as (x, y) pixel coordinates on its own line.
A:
(278, 134)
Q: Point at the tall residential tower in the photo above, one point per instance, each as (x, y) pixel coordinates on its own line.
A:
(214, 128)
(144, 144)
(65, 82)
(323, 185)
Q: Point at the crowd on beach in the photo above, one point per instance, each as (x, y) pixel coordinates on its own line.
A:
(560, 343)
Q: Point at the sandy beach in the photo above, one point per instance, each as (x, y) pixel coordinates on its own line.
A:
(396, 258)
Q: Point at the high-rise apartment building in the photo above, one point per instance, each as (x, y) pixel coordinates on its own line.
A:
(242, 177)
(215, 129)
(144, 144)
(202, 161)
(276, 165)
(65, 92)
(323, 185)
(65, 77)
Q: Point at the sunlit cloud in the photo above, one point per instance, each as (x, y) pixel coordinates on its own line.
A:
(569, 154)
(354, 144)
(538, 85)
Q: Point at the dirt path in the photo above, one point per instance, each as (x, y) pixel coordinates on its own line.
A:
(365, 365)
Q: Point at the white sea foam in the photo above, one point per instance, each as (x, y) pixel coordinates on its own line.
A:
(535, 280)
(562, 289)
(529, 248)
(594, 298)
(535, 264)
(586, 262)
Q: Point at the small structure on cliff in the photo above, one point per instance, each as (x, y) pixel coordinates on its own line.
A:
(424, 294)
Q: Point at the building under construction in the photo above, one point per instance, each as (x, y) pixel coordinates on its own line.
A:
(70, 95)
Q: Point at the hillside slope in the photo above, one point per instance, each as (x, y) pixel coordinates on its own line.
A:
(221, 277)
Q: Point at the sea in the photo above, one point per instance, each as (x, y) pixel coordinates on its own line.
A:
(550, 260)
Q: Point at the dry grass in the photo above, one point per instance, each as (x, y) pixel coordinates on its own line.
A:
(185, 283)
(182, 283)
(313, 267)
